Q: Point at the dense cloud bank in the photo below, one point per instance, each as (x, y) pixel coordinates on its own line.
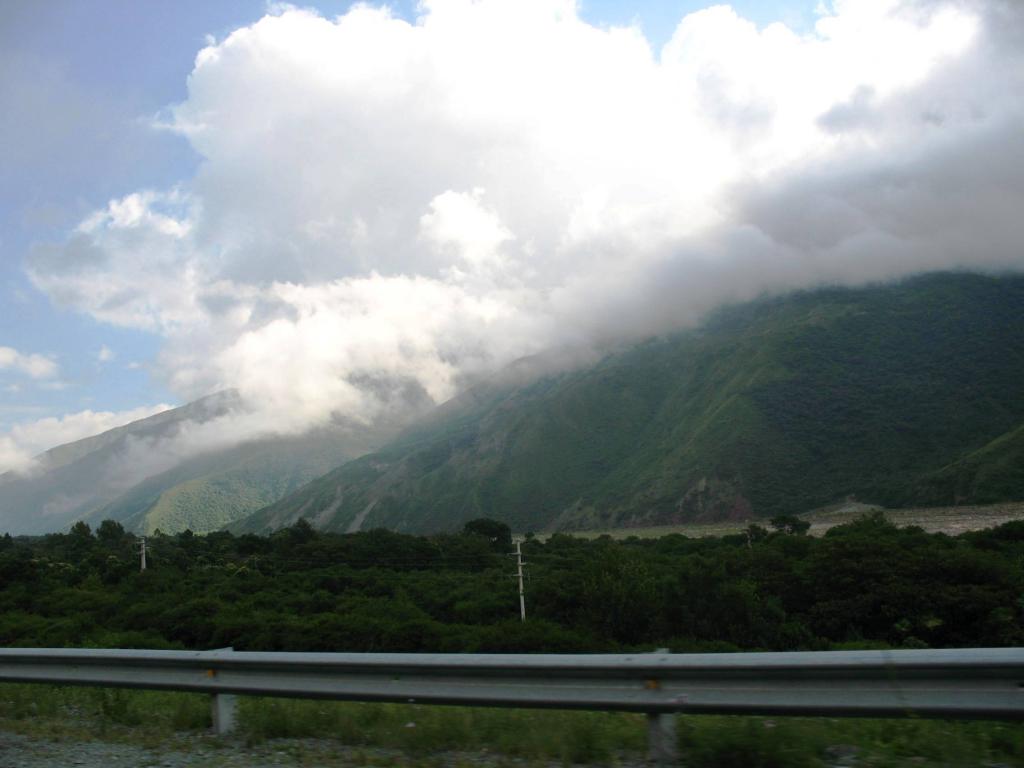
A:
(386, 207)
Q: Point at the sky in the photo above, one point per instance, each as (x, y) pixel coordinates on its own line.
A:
(323, 206)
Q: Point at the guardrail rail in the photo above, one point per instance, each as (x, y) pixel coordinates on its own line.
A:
(953, 683)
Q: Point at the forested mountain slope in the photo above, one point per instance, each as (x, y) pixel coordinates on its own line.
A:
(898, 394)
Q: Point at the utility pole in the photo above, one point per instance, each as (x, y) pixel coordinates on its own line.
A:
(519, 573)
(142, 554)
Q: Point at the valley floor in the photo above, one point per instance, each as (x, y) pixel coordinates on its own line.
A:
(949, 520)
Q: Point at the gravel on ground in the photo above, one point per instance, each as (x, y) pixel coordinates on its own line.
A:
(22, 751)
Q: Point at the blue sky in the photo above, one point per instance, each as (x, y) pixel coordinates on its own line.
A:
(376, 204)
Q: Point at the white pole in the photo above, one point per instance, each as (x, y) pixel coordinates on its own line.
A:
(142, 553)
(522, 598)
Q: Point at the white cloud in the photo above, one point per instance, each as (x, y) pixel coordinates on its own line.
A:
(386, 207)
(27, 439)
(33, 365)
(378, 331)
(464, 231)
(131, 264)
(106, 354)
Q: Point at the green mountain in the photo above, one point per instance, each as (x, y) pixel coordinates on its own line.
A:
(126, 474)
(209, 491)
(993, 473)
(71, 480)
(895, 394)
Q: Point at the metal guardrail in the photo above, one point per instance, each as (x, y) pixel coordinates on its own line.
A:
(961, 683)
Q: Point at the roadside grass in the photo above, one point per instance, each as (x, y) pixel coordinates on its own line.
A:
(66, 713)
(797, 742)
(175, 720)
(572, 737)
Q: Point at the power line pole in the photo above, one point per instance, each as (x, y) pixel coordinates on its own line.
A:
(142, 554)
(519, 573)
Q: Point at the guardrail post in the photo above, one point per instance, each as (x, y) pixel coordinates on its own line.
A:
(224, 708)
(662, 746)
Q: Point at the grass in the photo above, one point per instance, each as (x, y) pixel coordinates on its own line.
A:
(65, 712)
(159, 719)
(720, 742)
(581, 737)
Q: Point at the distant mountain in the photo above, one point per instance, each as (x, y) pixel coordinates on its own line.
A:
(213, 489)
(70, 480)
(899, 394)
(125, 475)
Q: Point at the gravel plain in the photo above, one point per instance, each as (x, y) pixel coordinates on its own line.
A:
(18, 751)
(21, 751)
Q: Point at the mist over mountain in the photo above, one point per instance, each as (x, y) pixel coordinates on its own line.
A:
(170, 472)
(907, 393)
(69, 480)
(381, 203)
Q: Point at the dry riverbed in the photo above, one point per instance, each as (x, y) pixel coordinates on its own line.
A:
(949, 520)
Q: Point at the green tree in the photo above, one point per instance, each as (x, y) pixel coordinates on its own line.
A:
(110, 532)
(495, 531)
(790, 524)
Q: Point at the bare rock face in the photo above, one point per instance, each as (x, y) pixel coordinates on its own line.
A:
(712, 501)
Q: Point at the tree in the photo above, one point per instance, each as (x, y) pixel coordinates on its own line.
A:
(302, 531)
(495, 531)
(790, 524)
(754, 533)
(110, 532)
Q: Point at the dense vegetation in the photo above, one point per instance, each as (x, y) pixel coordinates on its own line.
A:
(862, 585)
(900, 395)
